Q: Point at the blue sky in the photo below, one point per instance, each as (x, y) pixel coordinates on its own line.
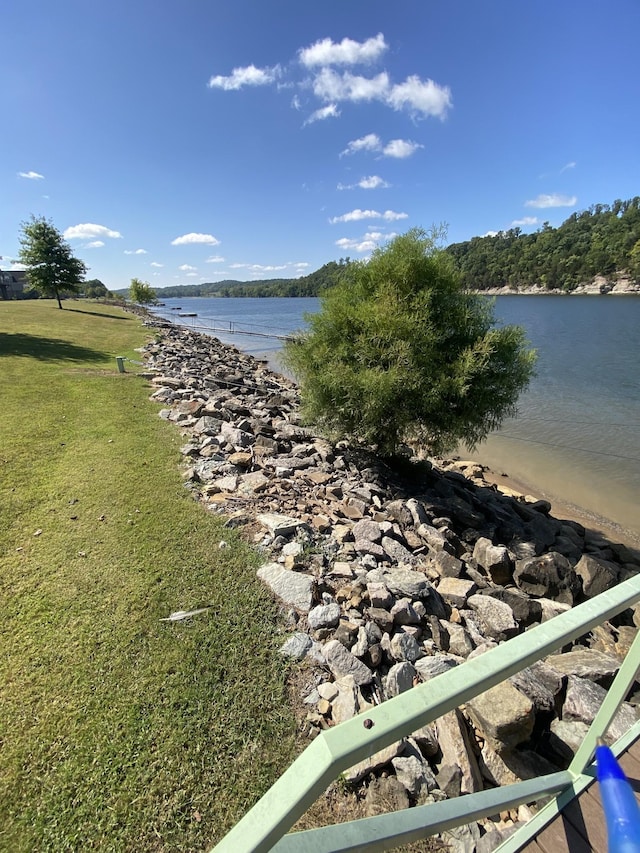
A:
(192, 141)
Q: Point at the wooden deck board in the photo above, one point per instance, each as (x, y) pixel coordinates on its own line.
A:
(581, 827)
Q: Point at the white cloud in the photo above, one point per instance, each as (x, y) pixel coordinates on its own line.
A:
(215, 259)
(188, 239)
(526, 220)
(331, 86)
(295, 103)
(192, 275)
(570, 165)
(135, 251)
(258, 267)
(88, 230)
(490, 234)
(373, 182)
(397, 148)
(302, 265)
(186, 267)
(94, 244)
(357, 214)
(554, 200)
(365, 243)
(347, 52)
(330, 111)
(156, 264)
(370, 142)
(248, 76)
(423, 97)
(32, 176)
(401, 148)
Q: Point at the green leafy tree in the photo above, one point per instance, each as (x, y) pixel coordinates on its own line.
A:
(50, 264)
(141, 292)
(401, 352)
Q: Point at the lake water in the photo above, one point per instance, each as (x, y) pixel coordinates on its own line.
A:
(577, 434)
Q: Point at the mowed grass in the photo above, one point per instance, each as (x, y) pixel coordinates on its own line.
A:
(119, 731)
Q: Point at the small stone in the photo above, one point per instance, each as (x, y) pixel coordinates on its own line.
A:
(324, 616)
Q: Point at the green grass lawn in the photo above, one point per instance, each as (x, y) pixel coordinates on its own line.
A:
(119, 731)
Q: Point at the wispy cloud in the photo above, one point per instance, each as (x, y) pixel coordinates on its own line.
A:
(357, 214)
(94, 244)
(186, 267)
(373, 182)
(156, 264)
(215, 259)
(553, 200)
(567, 166)
(367, 243)
(329, 85)
(135, 251)
(247, 76)
(32, 176)
(401, 148)
(330, 111)
(347, 52)
(259, 267)
(370, 142)
(526, 220)
(420, 97)
(188, 239)
(88, 230)
(396, 148)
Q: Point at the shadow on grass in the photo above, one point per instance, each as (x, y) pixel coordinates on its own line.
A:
(97, 314)
(47, 349)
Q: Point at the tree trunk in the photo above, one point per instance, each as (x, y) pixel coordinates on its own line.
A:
(58, 298)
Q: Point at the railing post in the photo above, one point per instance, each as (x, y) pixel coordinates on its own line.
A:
(120, 363)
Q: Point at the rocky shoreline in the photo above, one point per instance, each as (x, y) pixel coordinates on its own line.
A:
(388, 577)
(620, 285)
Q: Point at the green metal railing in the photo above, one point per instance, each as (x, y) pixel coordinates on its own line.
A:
(335, 750)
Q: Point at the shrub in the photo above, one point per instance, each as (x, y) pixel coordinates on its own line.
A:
(399, 352)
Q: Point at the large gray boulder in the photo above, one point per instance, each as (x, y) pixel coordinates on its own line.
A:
(494, 616)
(586, 663)
(596, 575)
(548, 576)
(342, 662)
(583, 701)
(504, 716)
(494, 559)
(292, 587)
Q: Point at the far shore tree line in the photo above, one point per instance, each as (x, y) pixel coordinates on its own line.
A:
(603, 240)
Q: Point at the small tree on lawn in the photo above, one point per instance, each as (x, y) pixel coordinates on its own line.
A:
(399, 352)
(51, 267)
(141, 292)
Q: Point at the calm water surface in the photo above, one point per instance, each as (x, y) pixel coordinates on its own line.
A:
(577, 434)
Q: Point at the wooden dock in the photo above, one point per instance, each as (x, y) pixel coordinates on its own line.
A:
(581, 827)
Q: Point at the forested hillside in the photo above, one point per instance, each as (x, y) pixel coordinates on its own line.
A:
(602, 240)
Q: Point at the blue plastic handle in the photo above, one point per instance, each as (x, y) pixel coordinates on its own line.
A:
(619, 802)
